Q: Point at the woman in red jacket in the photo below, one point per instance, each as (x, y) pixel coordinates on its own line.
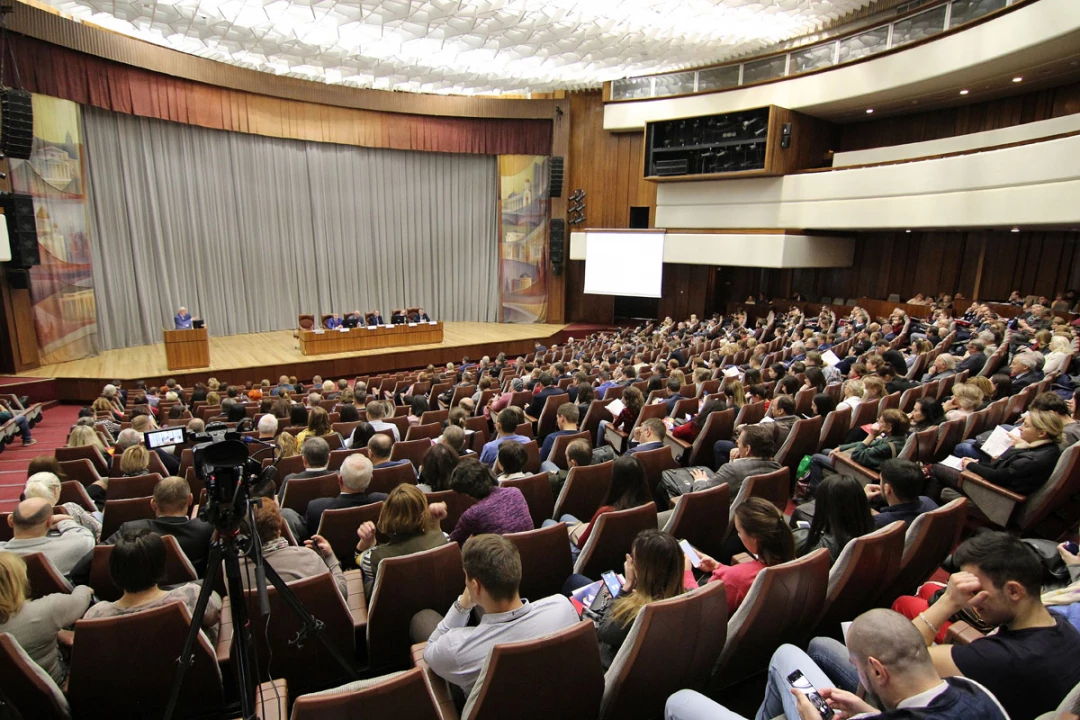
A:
(767, 538)
(688, 432)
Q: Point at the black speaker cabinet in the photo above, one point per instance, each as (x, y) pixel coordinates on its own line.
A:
(557, 168)
(556, 242)
(22, 229)
(16, 123)
(19, 279)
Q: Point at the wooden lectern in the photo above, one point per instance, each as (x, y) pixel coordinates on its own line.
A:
(187, 349)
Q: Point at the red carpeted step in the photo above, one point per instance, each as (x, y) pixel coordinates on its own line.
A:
(50, 434)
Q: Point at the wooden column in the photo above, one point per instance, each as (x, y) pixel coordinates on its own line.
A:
(560, 147)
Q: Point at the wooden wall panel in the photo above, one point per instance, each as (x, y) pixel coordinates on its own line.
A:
(961, 120)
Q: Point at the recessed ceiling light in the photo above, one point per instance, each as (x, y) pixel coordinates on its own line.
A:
(869, 111)
(907, 231)
(1017, 79)
(1015, 229)
(964, 92)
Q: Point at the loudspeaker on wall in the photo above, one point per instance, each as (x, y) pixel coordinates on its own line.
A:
(556, 170)
(16, 123)
(556, 241)
(22, 229)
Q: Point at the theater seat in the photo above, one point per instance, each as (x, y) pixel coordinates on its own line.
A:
(397, 695)
(834, 428)
(545, 560)
(537, 492)
(339, 527)
(139, 486)
(612, 535)
(866, 564)
(301, 491)
(306, 322)
(44, 578)
(584, 490)
(781, 607)
(27, 687)
(672, 645)
(178, 569)
(928, 541)
(801, 441)
(701, 518)
(118, 512)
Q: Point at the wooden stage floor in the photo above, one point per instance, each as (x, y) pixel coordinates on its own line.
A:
(237, 358)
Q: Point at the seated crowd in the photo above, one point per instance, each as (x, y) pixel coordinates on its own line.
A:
(827, 433)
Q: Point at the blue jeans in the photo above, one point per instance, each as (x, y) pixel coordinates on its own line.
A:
(721, 451)
(569, 520)
(819, 463)
(967, 449)
(690, 705)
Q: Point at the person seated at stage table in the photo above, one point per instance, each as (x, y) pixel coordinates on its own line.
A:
(183, 319)
(375, 318)
(333, 322)
(419, 316)
(397, 317)
(353, 319)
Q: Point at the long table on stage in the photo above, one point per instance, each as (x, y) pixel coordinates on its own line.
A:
(323, 342)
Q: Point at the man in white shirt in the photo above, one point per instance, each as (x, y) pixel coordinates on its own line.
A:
(492, 565)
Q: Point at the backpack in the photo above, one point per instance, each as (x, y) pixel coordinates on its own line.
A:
(602, 454)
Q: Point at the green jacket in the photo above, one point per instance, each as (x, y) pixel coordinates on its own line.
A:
(871, 456)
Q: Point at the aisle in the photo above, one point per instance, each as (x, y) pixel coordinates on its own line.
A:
(50, 433)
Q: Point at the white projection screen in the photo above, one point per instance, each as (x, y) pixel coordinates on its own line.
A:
(624, 263)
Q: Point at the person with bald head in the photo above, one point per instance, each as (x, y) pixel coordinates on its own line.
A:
(885, 654)
(353, 481)
(31, 524)
(171, 503)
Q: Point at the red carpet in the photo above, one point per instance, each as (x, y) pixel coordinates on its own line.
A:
(50, 433)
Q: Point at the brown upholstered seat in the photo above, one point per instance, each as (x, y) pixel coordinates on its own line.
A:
(118, 512)
(673, 644)
(337, 457)
(565, 678)
(431, 431)
(866, 564)
(865, 413)
(774, 487)
(339, 527)
(306, 322)
(121, 488)
(591, 423)
(461, 392)
(72, 491)
(558, 448)
(834, 428)
(655, 463)
(411, 450)
(949, 434)
(386, 479)
(545, 424)
(141, 648)
(701, 518)
(928, 541)
(537, 492)
(456, 504)
(398, 695)
(404, 586)
(718, 426)
(300, 491)
(44, 578)
(87, 452)
(81, 471)
(178, 569)
(27, 687)
(782, 605)
(801, 441)
(611, 538)
(584, 490)
(545, 560)
(750, 414)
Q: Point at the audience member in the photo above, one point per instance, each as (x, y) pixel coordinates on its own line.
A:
(506, 424)
(35, 528)
(499, 510)
(407, 525)
(438, 466)
(511, 462)
(376, 411)
(649, 435)
(316, 454)
(838, 514)
(628, 489)
(291, 562)
(353, 480)
(900, 487)
(46, 485)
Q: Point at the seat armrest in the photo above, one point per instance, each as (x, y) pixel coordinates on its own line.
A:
(272, 700)
(969, 478)
(440, 691)
(225, 633)
(672, 440)
(961, 633)
(357, 601)
(863, 474)
(741, 558)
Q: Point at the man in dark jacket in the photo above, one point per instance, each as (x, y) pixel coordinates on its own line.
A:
(353, 480)
(547, 389)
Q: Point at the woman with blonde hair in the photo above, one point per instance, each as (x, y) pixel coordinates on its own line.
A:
(35, 623)
(135, 461)
(45, 484)
(1059, 348)
(966, 399)
(853, 394)
(318, 425)
(286, 445)
(83, 435)
(213, 399)
(406, 525)
(735, 393)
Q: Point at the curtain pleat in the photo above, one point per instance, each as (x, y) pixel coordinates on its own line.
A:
(248, 231)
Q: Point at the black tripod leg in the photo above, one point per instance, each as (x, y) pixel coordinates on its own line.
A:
(312, 625)
(242, 641)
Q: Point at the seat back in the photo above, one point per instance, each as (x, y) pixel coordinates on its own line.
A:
(928, 541)
(865, 412)
(750, 414)
(139, 486)
(545, 424)
(456, 504)
(673, 644)
(387, 478)
(430, 431)
(27, 687)
(925, 444)
(1055, 493)
(702, 518)
(83, 452)
(545, 560)
(774, 487)
(566, 679)
(977, 422)
(801, 441)
(558, 448)
(434, 416)
(44, 578)
(411, 450)
(178, 569)
(597, 411)
(339, 525)
(889, 402)
(866, 564)
(301, 491)
(306, 322)
(781, 607)
(402, 694)
(909, 397)
(404, 586)
(337, 457)
(74, 492)
(118, 512)
(81, 471)
(141, 648)
(804, 400)
(584, 490)
(718, 426)
(834, 428)
(532, 450)
(611, 538)
(949, 434)
(537, 492)
(655, 463)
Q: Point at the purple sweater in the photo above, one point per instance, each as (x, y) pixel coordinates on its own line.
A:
(503, 511)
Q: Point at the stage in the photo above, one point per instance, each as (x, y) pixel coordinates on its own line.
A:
(238, 358)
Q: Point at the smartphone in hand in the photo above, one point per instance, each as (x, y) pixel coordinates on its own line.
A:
(695, 559)
(798, 681)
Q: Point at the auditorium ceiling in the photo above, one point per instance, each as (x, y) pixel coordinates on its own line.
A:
(463, 46)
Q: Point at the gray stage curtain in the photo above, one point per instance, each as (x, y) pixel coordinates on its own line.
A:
(249, 231)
